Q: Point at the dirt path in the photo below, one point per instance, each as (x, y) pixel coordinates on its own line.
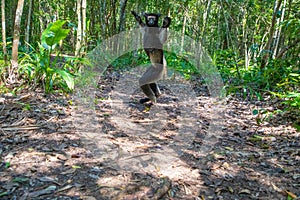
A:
(187, 146)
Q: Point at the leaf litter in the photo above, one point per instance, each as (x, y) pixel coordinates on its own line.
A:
(44, 156)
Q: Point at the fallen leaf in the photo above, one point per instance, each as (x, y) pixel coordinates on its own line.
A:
(48, 179)
(62, 157)
(65, 188)
(229, 148)
(245, 191)
(3, 194)
(69, 171)
(20, 180)
(88, 198)
(230, 189)
(226, 165)
(47, 190)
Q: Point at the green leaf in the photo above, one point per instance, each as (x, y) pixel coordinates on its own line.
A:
(259, 96)
(67, 77)
(258, 121)
(3, 194)
(7, 165)
(26, 107)
(20, 180)
(293, 95)
(54, 34)
(294, 74)
(255, 112)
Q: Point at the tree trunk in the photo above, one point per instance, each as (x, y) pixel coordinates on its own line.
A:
(28, 27)
(271, 34)
(12, 13)
(40, 17)
(278, 35)
(121, 24)
(122, 15)
(205, 20)
(227, 41)
(84, 42)
(103, 20)
(16, 39)
(4, 32)
(79, 29)
(113, 18)
(17, 28)
(183, 33)
(245, 38)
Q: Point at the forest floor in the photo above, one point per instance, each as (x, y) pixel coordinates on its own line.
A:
(52, 147)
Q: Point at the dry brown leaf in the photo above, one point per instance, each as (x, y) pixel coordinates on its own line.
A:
(70, 171)
(88, 198)
(245, 191)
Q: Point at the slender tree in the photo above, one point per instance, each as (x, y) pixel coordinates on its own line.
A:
(79, 29)
(83, 5)
(113, 18)
(205, 20)
(103, 18)
(278, 30)
(4, 32)
(28, 25)
(245, 36)
(266, 56)
(183, 32)
(122, 15)
(16, 38)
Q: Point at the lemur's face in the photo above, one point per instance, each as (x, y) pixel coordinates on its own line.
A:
(152, 19)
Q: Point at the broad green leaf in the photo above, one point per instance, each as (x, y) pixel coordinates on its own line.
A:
(54, 34)
(67, 77)
(294, 74)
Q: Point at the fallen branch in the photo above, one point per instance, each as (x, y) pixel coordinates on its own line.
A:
(19, 128)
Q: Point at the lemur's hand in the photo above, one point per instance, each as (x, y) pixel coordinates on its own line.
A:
(166, 22)
(134, 13)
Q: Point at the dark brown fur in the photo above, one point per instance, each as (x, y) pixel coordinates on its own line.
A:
(153, 39)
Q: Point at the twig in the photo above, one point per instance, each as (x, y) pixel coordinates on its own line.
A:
(18, 128)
